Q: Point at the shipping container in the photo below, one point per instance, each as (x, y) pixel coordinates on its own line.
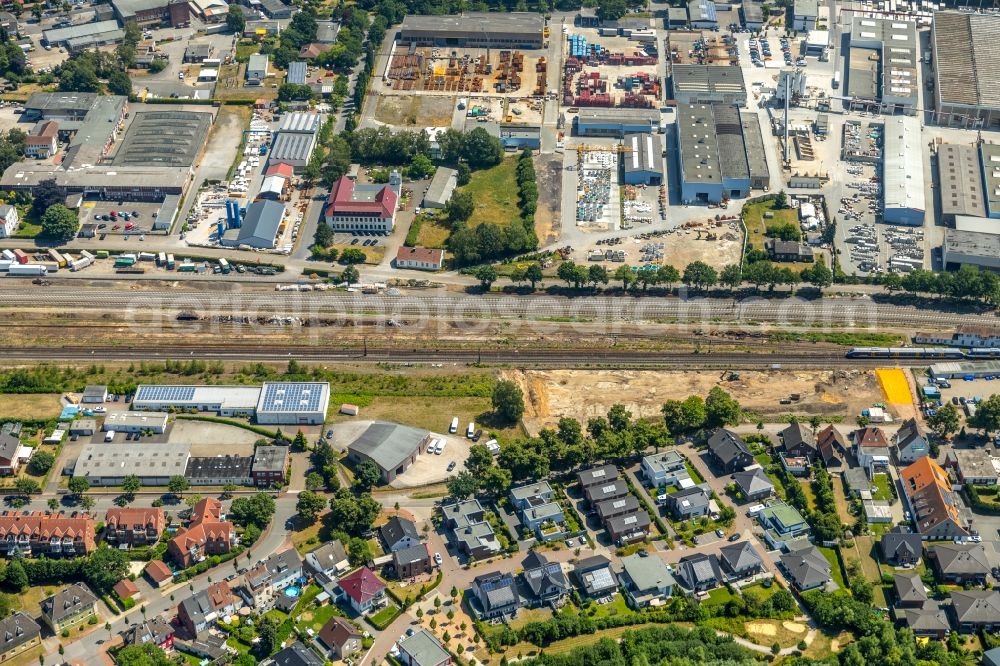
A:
(171, 264)
(81, 263)
(161, 259)
(146, 256)
(28, 270)
(124, 261)
(57, 258)
(102, 254)
(8, 255)
(186, 267)
(224, 265)
(21, 257)
(5, 265)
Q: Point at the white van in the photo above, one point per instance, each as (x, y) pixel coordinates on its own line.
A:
(755, 509)
(440, 446)
(435, 447)
(109, 436)
(454, 425)
(471, 430)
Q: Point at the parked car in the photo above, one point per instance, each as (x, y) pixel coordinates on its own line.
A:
(451, 465)
(735, 537)
(437, 559)
(719, 533)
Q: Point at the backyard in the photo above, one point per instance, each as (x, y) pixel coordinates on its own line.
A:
(880, 487)
(836, 572)
(757, 224)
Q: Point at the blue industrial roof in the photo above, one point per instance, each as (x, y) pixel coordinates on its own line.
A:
(291, 397)
(296, 73)
(164, 393)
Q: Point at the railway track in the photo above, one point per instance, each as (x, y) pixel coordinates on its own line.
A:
(527, 357)
(833, 312)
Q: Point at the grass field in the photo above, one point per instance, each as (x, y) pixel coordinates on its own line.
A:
(894, 386)
(840, 499)
(495, 193)
(430, 413)
(807, 490)
(27, 230)
(432, 234)
(34, 406)
(836, 572)
(315, 618)
(880, 487)
(756, 224)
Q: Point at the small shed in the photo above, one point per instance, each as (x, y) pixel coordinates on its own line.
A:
(349, 410)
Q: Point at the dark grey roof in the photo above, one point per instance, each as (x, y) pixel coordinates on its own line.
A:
(269, 458)
(699, 570)
(329, 554)
(296, 73)
(217, 467)
(961, 559)
(618, 506)
(807, 567)
(496, 589)
(397, 529)
(67, 602)
(284, 561)
(688, 499)
(909, 588)
(740, 556)
(544, 575)
(388, 444)
(261, 222)
(16, 630)
(417, 553)
(629, 522)
(797, 434)
(726, 445)
(595, 574)
(928, 618)
(908, 433)
(753, 481)
(297, 654)
(901, 540)
(8, 446)
(976, 606)
(595, 475)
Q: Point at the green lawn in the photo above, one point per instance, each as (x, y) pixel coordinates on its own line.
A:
(720, 596)
(880, 487)
(695, 476)
(385, 616)
(756, 224)
(495, 193)
(27, 230)
(835, 571)
(315, 618)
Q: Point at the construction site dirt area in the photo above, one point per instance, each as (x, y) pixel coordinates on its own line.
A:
(415, 110)
(583, 394)
(717, 246)
(463, 70)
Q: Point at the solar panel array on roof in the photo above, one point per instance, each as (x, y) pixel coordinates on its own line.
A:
(600, 579)
(164, 393)
(291, 397)
(630, 520)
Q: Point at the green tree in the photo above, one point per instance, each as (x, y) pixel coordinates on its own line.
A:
(481, 149)
(487, 275)
(178, 484)
(508, 401)
(119, 83)
(460, 206)
(131, 484)
(267, 634)
(59, 223)
(819, 275)
(358, 551)
(611, 10)
(105, 567)
(533, 274)
(353, 515)
(420, 167)
(353, 255)
(597, 274)
(731, 276)
(142, 654)
(309, 504)
(700, 275)
(299, 443)
(781, 200)
(314, 481)
(79, 485)
(236, 20)
(254, 510)
(350, 275)
(721, 409)
(367, 475)
(463, 485)
(26, 486)
(945, 420)
(987, 415)
(15, 576)
(41, 462)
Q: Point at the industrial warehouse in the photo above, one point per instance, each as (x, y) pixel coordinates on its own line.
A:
(516, 30)
(295, 141)
(709, 84)
(274, 403)
(882, 65)
(967, 80)
(714, 160)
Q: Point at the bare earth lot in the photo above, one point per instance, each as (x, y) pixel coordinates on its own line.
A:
(415, 111)
(582, 394)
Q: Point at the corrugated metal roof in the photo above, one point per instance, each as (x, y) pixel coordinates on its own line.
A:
(903, 164)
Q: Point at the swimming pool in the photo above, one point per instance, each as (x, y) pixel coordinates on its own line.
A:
(292, 591)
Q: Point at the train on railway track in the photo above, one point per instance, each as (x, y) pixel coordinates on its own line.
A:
(928, 353)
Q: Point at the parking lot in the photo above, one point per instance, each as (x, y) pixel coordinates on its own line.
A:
(120, 217)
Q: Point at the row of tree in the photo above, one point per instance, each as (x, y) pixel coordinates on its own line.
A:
(968, 282)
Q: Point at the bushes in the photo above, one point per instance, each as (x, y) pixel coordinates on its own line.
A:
(978, 499)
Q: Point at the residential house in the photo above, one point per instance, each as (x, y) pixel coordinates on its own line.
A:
(667, 469)
(910, 442)
(936, 509)
(412, 561)
(699, 572)
(728, 451)
(901, 546)
(595, 576)
(40, 533)
(329, 560)
(295, 654)
(617, 507)
(43, 142)
(422, 649)
(157, 631)
(133, 526)
(265, 582)
(420, 258)
(977, 466)
(798, 441)
(689, 503)
(909, 590)
(597, 475)
(602, 492)
(646, 581)
(201, 609)
(740, 560)
(522, 496)
(365, 592)
(871, 449)
(158, 573)
(546, 582)
(806, 568)
(928, 619)
(754, 484)
(399, 534)
(788, 251)
(496, 595)
(959, 563)
(126, 589)
(975, 610)
(540, 513)
(831, 447)
(68, 607)
(467, 528)
(270, 464)
(18, 634)
(207, 534)
(782, 524)
(628, 528)
(340, 637)
(9, 220)
(10, 446)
